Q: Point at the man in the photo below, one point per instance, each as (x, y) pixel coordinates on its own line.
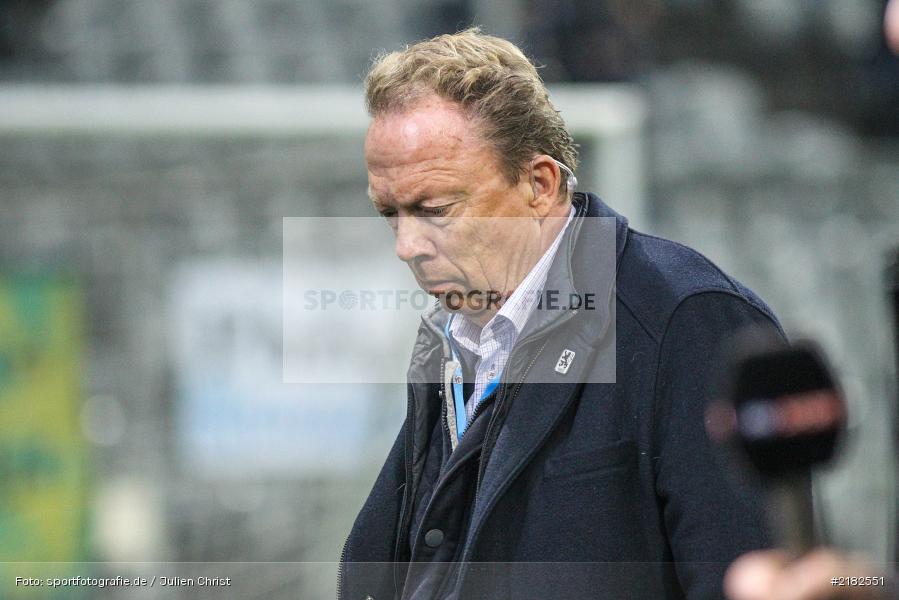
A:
(519, 472)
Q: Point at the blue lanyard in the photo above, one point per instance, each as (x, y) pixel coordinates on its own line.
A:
(457, 386)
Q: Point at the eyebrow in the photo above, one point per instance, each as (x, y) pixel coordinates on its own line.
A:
(454, 195)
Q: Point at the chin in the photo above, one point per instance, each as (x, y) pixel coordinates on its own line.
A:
(457, 303)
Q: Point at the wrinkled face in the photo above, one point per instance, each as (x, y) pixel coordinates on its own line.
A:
(441, 189)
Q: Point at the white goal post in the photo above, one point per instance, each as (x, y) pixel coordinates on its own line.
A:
(607, 119)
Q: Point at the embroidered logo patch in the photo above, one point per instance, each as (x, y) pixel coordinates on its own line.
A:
(565, 361)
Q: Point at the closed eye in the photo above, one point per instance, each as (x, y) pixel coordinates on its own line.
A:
(433, 211)
(425, 212)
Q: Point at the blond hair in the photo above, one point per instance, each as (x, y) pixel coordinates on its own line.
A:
(493, 82)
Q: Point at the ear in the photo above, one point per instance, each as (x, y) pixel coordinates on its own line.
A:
(546, 177)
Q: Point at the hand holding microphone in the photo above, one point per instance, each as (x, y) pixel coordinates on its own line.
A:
(783, 412)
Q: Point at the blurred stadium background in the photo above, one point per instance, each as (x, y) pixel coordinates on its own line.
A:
(150, 150)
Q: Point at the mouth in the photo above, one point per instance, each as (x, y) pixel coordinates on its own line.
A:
(436, 288)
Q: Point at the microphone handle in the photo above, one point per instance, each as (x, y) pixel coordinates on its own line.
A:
(790, 511)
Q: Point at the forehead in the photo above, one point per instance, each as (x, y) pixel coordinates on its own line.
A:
(430, 129)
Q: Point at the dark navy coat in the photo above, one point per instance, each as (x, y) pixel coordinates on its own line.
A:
(566, 488)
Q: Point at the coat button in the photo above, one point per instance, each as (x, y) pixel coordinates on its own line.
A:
(434, 538)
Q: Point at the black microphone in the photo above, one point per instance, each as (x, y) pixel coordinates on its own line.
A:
(783, 411)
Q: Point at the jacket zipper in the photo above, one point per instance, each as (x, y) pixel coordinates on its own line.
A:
(441, 395)
(341, 569)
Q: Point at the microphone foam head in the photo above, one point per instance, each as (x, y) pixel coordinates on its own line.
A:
(781, 405)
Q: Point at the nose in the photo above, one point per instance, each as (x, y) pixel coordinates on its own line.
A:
(411, 241)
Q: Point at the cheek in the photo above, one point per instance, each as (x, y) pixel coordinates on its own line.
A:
(458, 248)
(484, 255)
